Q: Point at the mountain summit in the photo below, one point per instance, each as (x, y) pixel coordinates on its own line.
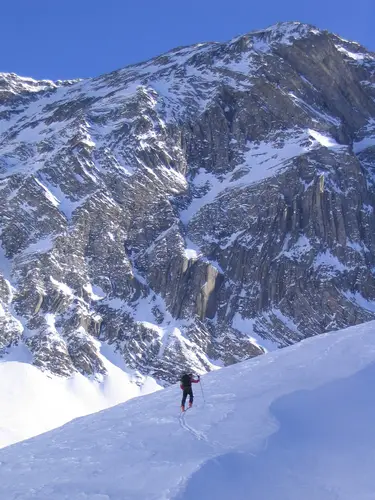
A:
(190, 211)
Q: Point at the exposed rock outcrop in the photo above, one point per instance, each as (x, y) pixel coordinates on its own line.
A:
(190, 209)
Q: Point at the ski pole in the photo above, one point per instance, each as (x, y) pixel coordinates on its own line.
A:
(204, 399)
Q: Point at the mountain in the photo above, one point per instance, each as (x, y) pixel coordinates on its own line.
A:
(191, 211)
(292, 424)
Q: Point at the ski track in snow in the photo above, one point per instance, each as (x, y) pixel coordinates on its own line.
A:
(194, 432)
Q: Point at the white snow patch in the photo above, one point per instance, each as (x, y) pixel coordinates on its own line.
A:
(50, 320)
(192, 246)
(365, 143)
(19, 353)
(244, 65)
(357, 56)
(325, 141)
(265, 158)
(368, 209)
(368, 137)
(288, 322)
(299, 249)
(261, 46)
(358, 299)
(152, 326)
(50, 197)
(231, 239)
(5, 263)
(287, 33)
(37, 402)
(43, 245)
(358, 247)
(62, 287)
(62, 202)
(191, 253)
(329, 264)
(95, 292)
(246, 326)
(312, 110)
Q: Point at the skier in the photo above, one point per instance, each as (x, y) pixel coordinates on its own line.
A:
(186, 381)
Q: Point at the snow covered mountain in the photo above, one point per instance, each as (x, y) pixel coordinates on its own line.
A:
(293, 424)
(190, 211)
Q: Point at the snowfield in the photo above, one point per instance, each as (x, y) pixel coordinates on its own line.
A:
(290, 425)
(34, 401)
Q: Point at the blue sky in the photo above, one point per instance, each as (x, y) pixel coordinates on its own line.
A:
(81, 38)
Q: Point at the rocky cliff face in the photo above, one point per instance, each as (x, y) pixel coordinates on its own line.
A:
(191, 210)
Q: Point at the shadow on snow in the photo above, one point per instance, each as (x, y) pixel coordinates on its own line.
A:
(327, 432)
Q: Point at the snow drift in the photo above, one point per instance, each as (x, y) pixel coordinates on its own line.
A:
(34, 401)
(292, 424)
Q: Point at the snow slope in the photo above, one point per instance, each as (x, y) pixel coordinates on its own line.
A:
(33, 401)
(292, 424)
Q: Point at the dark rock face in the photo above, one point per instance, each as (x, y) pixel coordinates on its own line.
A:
(191, 209)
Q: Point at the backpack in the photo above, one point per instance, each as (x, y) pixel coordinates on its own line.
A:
(185, 380)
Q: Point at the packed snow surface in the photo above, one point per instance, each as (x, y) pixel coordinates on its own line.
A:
(292, 424)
